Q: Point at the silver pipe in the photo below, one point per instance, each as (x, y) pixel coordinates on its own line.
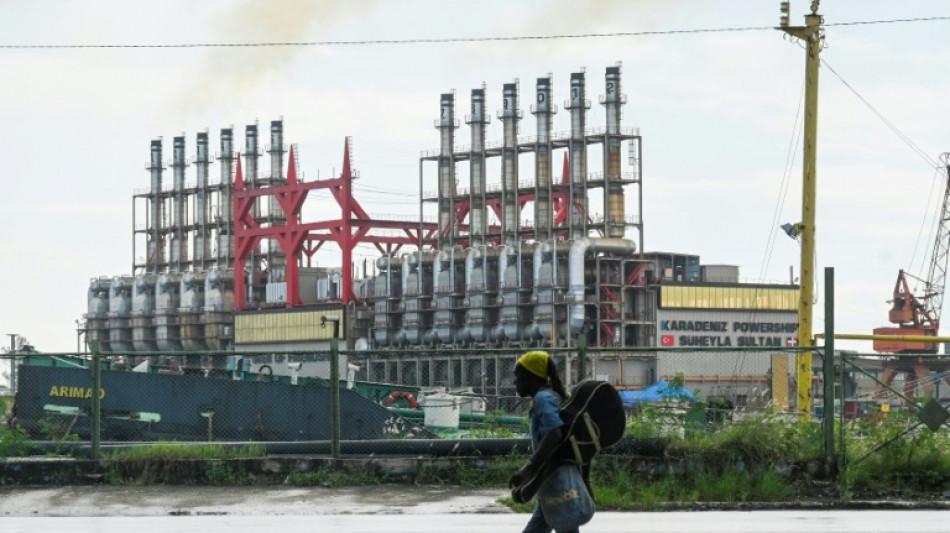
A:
(578, 104)
(478, 216)
(446, 124)
(155, 247)
(543, 109)
(510, 114)
(504, 311)
(579, 249)
(467, 333)
(525, 314)
(225, 207)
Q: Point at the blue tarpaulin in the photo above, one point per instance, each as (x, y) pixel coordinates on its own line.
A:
(660, 390)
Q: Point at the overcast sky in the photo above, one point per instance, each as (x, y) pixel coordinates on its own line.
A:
(717, 112)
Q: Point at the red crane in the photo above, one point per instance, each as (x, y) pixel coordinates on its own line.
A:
(919, 314)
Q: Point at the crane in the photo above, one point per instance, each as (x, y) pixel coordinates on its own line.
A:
(919, 314)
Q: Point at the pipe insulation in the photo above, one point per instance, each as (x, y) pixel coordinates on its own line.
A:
(576, 285)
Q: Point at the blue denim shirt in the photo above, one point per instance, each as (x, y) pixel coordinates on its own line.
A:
(545, 413)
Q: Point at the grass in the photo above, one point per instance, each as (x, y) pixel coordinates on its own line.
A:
(665, 458)
(178, 451)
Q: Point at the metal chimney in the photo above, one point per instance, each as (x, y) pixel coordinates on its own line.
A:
(225, 209)
(251, 155)
(276, 259)
(543, 109)
(613, 186)
(446, 125)
(202, 240)
(179, 249)
(510, 208)
(155, 241)
(578, 104)
(477, 218)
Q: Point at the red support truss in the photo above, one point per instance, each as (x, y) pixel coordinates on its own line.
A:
(298, 238)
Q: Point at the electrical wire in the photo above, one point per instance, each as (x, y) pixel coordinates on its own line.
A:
(906, 140)
(793, 144)
(790, 156)
(923, 223)
(923, 155)
(446, 40)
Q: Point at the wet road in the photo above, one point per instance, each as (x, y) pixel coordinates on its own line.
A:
(384, 509)
(678, 522)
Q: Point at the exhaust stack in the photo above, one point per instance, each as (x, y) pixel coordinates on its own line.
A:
(578, 104)
(510, 114)
(225, 207)
(156, 247)
(276, 259)
(202, 243)
(543, 109)
(446, 124)
(179, 249)
(253, 261)
(614, 216)
(477, 218)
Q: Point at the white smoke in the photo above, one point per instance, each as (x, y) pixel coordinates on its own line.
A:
(226, 74)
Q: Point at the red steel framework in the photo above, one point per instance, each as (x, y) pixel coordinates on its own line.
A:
(299, 238)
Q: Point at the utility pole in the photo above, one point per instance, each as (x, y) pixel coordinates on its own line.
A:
(813, 34)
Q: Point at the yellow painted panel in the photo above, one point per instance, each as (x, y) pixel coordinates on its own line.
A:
(285, 326)
(780, 381)
(698, 297)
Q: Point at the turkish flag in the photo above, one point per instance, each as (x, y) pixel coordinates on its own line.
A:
(667, 340)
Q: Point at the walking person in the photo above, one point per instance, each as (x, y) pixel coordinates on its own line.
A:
(536, 376)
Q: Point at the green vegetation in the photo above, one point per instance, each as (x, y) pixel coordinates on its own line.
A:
(672, 454)
(894, 455)
(179, 451)
(13, 442)
(336, 477)
(181, 463)
(466, 472)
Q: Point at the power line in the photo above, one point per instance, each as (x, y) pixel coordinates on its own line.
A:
(923, 155)
(446, 40)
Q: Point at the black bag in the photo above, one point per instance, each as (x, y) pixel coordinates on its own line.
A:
(593, 418)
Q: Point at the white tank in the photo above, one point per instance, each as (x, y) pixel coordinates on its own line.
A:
(442, 410)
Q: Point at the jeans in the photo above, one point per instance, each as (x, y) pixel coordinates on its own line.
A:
(538, 525)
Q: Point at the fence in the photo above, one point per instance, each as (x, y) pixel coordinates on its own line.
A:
(382, 402)
(437, 401)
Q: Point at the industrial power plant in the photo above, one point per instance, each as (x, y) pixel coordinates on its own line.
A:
(545, 256)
